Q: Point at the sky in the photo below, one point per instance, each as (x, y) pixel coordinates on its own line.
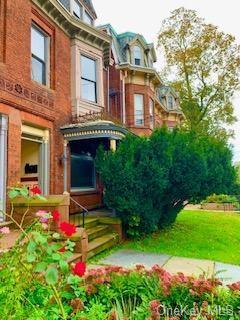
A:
(145, 17)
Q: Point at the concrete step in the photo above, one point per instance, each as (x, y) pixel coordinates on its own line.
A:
(76, 219)
(102, 243)
(99, 213)
(97, 232)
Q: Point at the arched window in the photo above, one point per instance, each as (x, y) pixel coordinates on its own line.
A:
(137, 55)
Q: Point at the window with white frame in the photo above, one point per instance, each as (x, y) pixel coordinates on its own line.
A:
(40, 55)
(170, 102)
(151, 112)
(139, 109)
(137, 52)
(88, 79)
(76, 9)
(87, 18)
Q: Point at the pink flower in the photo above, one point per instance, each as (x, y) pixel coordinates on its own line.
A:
(41, 213)
(5, 230)
(44, 226)
(44, 220)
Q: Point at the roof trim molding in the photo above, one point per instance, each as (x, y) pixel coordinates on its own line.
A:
(75, 28)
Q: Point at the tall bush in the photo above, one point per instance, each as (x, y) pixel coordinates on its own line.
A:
(149, 180)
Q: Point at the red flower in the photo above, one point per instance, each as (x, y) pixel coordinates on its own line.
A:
(79, 269)
(62, 250)
(67, 228)
(36, 190)
(55, 216)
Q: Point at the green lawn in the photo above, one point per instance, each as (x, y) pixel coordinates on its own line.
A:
(197, 234)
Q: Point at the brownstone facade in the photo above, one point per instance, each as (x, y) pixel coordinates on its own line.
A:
(23, 100)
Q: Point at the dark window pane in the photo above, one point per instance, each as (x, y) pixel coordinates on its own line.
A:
(82, 172)
(137, 62)
(38, 71)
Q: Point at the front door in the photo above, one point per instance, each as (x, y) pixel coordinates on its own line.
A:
(3, 164)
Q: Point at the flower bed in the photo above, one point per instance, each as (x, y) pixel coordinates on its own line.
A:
(37, 283)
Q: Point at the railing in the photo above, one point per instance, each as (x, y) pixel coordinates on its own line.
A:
(95, 116)
(84, 210)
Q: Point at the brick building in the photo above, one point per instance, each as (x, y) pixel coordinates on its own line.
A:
(136, 94)
(65, 88)
(47, 50)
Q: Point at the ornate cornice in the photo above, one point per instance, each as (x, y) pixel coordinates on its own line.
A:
(76, 28)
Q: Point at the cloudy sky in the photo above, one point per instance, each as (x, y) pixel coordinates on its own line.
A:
(145, 17)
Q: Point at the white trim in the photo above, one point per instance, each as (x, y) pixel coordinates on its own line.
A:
(3, 163)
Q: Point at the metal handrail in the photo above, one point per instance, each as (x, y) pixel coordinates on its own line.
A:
(84, 210)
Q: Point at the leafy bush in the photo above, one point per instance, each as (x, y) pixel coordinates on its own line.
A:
(221, 198)
(149, 180)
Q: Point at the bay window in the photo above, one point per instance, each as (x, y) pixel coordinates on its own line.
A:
(40, 55)
(139, 109)
(88, 79)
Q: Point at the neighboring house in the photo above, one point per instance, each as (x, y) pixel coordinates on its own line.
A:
(51, 70)
(137, 96)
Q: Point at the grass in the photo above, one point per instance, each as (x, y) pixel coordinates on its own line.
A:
(197, 234)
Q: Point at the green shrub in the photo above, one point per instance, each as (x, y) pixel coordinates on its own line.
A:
(149, 180)
(221, 198)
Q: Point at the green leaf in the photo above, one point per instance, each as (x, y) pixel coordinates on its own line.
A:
(56, 256)
(63, 265)
(41, 267)
(31, 257)
(51, 275)
(13, 194)
(31, 246)
(24, 192)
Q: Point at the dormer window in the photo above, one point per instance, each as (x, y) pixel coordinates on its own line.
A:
(170, 102)
(76, 9)
(137, 55)
(87, 18)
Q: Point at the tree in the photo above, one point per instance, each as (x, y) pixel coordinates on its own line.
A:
(205, 63)
(149, 180)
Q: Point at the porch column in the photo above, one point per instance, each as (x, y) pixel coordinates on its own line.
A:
(3, 163)
(113, 145)
(65, 166)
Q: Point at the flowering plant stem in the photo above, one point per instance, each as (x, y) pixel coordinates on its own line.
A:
(59, 302)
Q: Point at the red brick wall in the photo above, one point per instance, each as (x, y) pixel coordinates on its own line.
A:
(24, 100)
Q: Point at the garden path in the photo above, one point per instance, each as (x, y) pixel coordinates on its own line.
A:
(129, 258)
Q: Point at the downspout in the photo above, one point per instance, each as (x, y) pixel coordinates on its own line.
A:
(108, 90)
(123, 99)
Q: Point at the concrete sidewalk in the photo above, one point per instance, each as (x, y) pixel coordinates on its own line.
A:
(129, 258)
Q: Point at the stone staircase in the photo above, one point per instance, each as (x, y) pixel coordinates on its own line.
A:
(101, 231)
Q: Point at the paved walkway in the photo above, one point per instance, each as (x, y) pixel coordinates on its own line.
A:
(129, 258)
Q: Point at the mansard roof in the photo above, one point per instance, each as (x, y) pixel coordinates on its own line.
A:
(122, 40)
(88, 4)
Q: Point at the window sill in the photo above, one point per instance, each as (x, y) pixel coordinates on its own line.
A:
(83, 191)
(42, 86)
